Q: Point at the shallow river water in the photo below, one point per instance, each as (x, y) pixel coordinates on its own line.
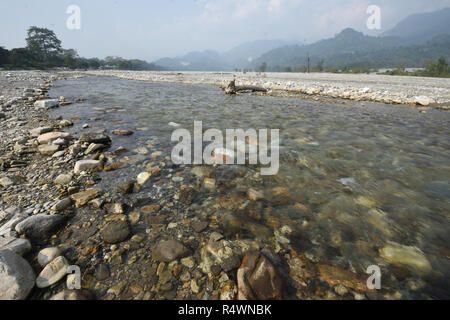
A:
(359, 184)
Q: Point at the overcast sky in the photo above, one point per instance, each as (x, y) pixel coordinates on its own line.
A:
(150, 29)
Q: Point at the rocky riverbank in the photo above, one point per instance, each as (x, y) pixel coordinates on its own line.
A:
(414, 91)
(198, 232)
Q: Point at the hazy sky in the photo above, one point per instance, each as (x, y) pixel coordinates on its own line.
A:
(150, 29)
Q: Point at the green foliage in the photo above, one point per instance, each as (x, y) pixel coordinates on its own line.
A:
(437, 69)
(4, 56)
(357, 52)
(44, 51)
(43, 44)
(263, 67)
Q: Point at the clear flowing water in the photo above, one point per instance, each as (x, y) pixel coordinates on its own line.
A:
(354, 178)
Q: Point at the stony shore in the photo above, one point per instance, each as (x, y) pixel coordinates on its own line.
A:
(414, 91)
(53, 215)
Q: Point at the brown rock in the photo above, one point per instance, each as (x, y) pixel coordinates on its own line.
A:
(116, 231)
(114, 166)
(258, 279)
(153, 208)
(168, 251)
(336, 276)
(121, 132)
(82, 198)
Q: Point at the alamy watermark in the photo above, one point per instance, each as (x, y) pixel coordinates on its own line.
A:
(73, 278)
(374, 281)
(238, 144)
(374, 20)
(74, 20)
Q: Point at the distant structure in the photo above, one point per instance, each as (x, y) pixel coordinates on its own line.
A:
(308, 63)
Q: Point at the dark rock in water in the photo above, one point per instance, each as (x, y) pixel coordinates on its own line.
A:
(40, 227)
(115, 208)
(93, 137)
(122, 132)
(17, 278)
(230, 263)
(116, 232)
(199, 226)
(126, 188)
(102, 272)
(258, 279)
(187, 196)
(168, 251)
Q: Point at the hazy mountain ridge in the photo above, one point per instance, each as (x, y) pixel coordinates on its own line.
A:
(410, 43)
(210, 60)
(421, 27)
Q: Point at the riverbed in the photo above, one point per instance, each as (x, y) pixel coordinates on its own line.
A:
(359, 184)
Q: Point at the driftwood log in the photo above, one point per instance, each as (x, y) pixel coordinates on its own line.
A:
(233, 89)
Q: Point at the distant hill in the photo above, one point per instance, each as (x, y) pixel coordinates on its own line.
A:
(348, 42)
(354, 49)
(414, 40)
(195, 61)
(209, 60)
(419, 28)
(240, 56)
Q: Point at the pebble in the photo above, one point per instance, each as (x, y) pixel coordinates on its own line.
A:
(188, 262)
(93, 137)
(143, 177)
(47, 138)
(115, 232)
(39, 131)
(82, 198)
(85, 165)
(48, 149)
(52, 273)
(168, 251)
(6, 182)
(63, 179)
(47, 255)
(412, 257)
(62, 205)
(122, 132)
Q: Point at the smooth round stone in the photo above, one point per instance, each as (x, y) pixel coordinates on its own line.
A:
(143, 177)
(52, 273)
(47, 255)
(168, 251)
(116, 232)
(63, 179)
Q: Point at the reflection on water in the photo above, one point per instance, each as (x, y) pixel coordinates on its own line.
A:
(360, 184)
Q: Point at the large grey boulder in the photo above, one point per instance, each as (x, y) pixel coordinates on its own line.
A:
(17, 278)
(16, 245)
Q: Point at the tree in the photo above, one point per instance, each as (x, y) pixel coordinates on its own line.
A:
(263, 67)
(320, 66)
(4, 55)
(20, 57)
(43, 44)
(442, 66)
(70, 57)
